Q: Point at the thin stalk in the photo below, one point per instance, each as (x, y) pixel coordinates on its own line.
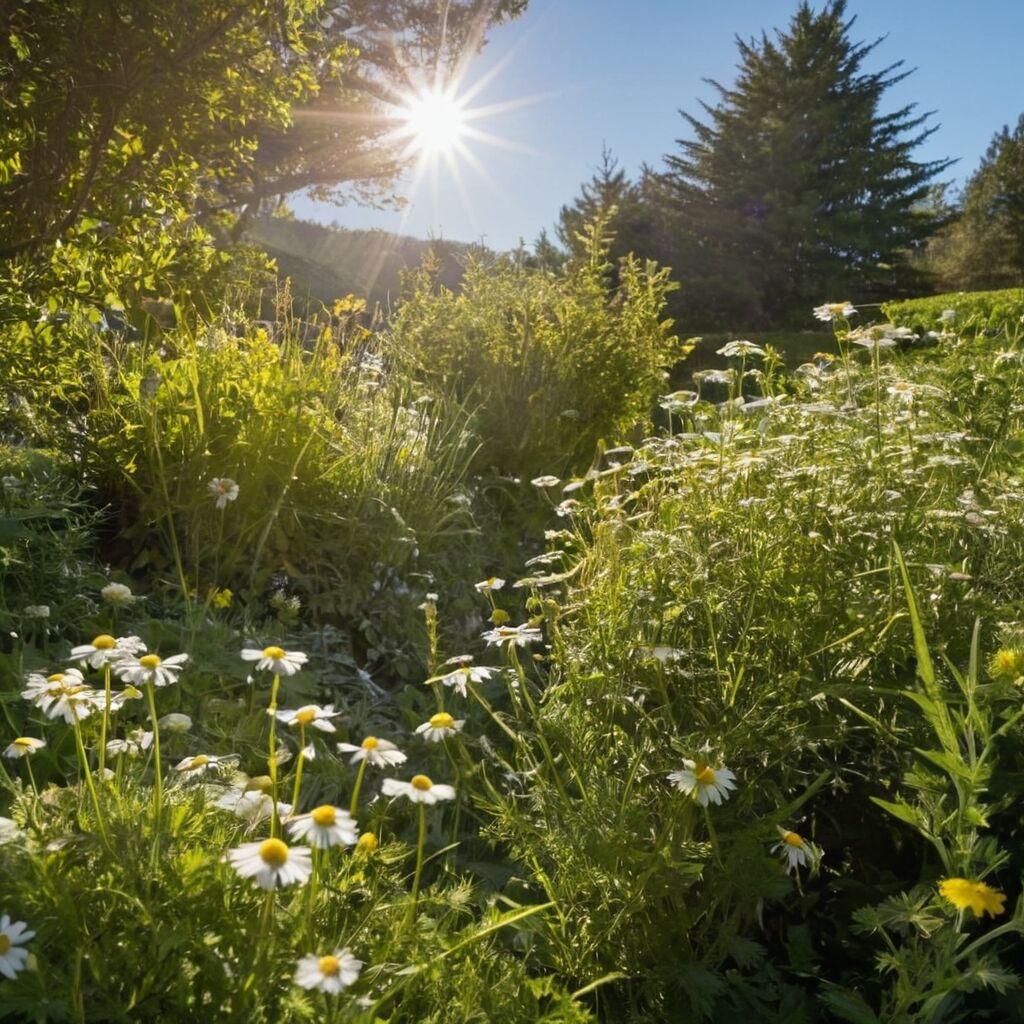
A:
(90, 784)
(275, 820)
(298, 768)
(411, 916)
(354, 803)
(105, 720)
(158, 788)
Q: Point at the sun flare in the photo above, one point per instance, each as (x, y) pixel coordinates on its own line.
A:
(434, 121)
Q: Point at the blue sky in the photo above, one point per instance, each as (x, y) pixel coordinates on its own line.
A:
(608, 72)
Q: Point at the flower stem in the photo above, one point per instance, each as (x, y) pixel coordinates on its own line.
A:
(158, 789)
(359, 784)
(411, 917)
(298, 768)
(106, 719)
(90, 785)
(275, 820)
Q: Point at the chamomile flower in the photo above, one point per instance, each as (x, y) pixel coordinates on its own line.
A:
(62, 695)
(12, 956)
(545, 481)
(103, 650)
(151, 669)
(367, 843)
(135, 744)
(518, 635)
(488, 585)
(795, 851)
(195, 767)
(330, 973)
(175, 723)
(706, 785)
(981, 898)
(440, 727)
(312, 715)
(117, 594)
(830, 311)
(741, 349)
(458, 678)
(118, 699)
(374, 751)
(420, 790)
(24, 746)
(325, 826)
(272, 863)
(250, 802)
(276, 659)
(222, 489)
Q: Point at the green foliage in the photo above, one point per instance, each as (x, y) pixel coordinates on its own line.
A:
(972, 312)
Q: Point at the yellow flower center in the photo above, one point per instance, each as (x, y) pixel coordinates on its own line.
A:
(329, 966)
(324, 816)
(5, 943)
(273, 852)
(55, 678)
(421, 782)
(442, 720)
(792, 839)
(305, 715)
(23, 741)
(149, 661)
(367, 842)
(104, 642)
(276, 653)
(260, 784)
(706, 776)
(370, 743)
(198, 761)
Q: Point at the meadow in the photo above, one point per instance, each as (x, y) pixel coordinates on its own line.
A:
(463, 670)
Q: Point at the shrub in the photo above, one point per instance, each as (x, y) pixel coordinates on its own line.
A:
(997, 312)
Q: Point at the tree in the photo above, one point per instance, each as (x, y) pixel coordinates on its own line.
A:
(797, 188)
(984, 245)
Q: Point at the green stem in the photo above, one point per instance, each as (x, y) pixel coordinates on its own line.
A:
(355, 792)
(298, 769)
(31, 777)
(158, 789)
(411, 917)
(275, 820)
(90, 785)
(105, 721)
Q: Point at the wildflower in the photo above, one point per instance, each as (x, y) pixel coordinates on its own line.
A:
(379, 753)
(310, 714)
(458, 678)
(367, 843)
(440, 727)
(61, 695)
(420, 790)
(678, 400)
(220, 597)
(223, 489)
(325, 826)
(105, 650)
(518, 635)
(272, 863)
(1007, 663)
(740, 348)
(545, 481)
(175, 723)
(12, 956)
(151, 669)
(981, 898)
(23, 746)
(330, 973)
(707, 785)
(36, 611)
(193, 767)
(117, 700)
(134, 744)
(276, 659)
(795, 851)
(947, 316)
(833, 311)
(488, 585)
(117, 594)
(566, 508)
(250, 802)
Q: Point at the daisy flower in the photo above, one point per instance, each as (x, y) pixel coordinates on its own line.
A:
(545, 481)
(420, 790)
(117, 594)
(330, 973)
(489, 584)
(135, 744)
(379, 753)
(459, 677)
(61, 695)
(706, 785)
(981, 898)
(795, 851)
(518, 635)
(23, 746)
(151, 669)
(194, 767)
(830, 311)
(251, 803)
(325, 826)
(310, 714)
(276, 659)
(175, 723)
(742, 349)
(272, 863)
(105, 650)
(440, 727)
(117, 700)
(223, 489)
(12, 956)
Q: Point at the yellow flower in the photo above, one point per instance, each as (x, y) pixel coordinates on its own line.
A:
(1006, 663)
(981, 898)
(220, 597)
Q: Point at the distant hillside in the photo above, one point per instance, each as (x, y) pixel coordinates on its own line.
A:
(326, 263)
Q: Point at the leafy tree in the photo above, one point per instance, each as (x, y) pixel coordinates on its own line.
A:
(984, 246)
(798, 188)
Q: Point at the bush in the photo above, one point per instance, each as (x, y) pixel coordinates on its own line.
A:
(973, 312)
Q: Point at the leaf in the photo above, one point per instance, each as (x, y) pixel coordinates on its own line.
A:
(899, 809)
(847, 1005)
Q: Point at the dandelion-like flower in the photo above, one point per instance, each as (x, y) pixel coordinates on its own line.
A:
(419, 789)
(831, 311)
(440, 727)
(175, 723)
(374, 751)
(195, 767)
(151, 669)
(276, 659)
(272, 863)
(12, 956)
(981, 898)
(61, 695)
(1007, 664)
(330, 973)
(518, 635)
(706, 785)
(367, 843)
(312, 715)
(24, 746)
(223, 489)
(488, 585)
(795, 851)
(117, 594)
(105, 650)
(458, 678)
(325, 826)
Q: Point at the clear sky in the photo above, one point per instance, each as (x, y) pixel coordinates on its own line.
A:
(616, 73)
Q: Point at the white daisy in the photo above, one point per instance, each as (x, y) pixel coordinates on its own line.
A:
(194, 767)
(272, 863)
(419, 789)
(545, 481)
(310, 714)
(276, 659)
(459, 677)
(117, 594)
(12, 956)
(118, 699)
(330, 973)
(325, 826)
(379, 753)
(489, 584)
(250, 803)
(795, 851)
(151, 669)
(175, 723)
(61, 695)
(518, 635)
(105, 650)
(707, 785)
(223, 489)
(834, 310)
(440, 727)
(23, 746)
(734, 349)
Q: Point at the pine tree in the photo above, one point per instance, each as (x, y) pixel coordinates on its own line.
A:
(797, 189)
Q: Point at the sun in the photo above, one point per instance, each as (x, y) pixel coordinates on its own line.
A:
(434, 122)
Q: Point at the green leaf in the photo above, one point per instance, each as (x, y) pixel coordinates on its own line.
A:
(848, 1005)
(899, 809)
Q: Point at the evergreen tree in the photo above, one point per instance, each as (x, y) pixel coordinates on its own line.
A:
(797, 188)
